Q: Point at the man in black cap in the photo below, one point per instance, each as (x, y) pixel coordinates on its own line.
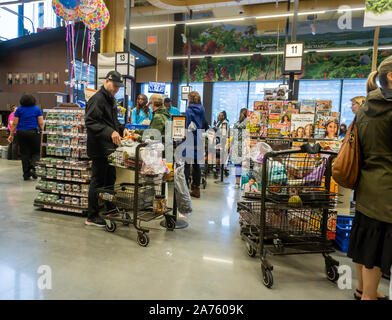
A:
(104, 133)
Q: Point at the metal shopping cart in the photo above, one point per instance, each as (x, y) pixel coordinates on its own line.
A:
(293, 212)
(133, 203)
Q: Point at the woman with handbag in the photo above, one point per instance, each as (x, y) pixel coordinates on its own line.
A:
(370, 244)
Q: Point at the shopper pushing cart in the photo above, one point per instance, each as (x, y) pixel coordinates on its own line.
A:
(104, 133)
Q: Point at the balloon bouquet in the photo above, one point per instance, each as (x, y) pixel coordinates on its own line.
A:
(95, 16)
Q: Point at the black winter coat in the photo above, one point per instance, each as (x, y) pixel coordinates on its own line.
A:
(101, 121)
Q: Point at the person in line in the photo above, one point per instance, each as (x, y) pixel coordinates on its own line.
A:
(13, 146)
(195, 114)
(370, 244)
(104, 133)
(222, 118)
(356, 102)
(159, 118)
(170, 108)
(236, 157)
(141, 114)
(343, 131)
(29, 121)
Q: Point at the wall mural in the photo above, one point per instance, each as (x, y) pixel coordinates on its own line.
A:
(217, 39)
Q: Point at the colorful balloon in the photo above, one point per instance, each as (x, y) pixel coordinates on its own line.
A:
(70, 4)
(64, 13)
(87, 7)
(98, 19)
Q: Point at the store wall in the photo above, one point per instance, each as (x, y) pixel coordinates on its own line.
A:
(161, 49)
(42, 58)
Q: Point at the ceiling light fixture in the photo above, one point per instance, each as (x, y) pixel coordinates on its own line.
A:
(311, 12)
(214, 21)
(153, 26)
(275, 53)
(275, 16)
(351, 9)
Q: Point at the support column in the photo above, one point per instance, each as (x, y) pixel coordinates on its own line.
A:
(112, 37)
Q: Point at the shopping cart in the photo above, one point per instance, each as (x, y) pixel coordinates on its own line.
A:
(294, 211)
(133, 203)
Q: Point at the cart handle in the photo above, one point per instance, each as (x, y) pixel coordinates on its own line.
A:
(306, 148)
(243, 207)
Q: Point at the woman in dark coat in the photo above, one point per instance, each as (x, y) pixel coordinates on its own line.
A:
(195, 114)
(370, 244)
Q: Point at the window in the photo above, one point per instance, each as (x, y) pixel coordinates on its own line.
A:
(321, 90)
(230, 97)
(256, 90)
(351, 89)
(37, 14)
(195, 86)
(144, 90)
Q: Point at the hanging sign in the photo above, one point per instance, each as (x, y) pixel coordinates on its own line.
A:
(184, 92)
(125, 64)
(293, 58)
(378, 13)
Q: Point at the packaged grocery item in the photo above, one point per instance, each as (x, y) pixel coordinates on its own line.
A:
(68, 173)
(67, 200)
(75, 188)
(68, 187)
(60, 187)
(84, 202)
(84, 188)
(75, 201)
(76, 174)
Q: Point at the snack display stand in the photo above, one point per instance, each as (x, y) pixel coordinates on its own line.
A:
(64, 168)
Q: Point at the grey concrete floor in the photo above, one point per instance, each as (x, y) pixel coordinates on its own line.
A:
(207, 260)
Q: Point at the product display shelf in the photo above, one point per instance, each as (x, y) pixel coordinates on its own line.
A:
(67, 193)
(64, 170)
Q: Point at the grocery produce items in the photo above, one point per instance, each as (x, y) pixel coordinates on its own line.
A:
(378, 6)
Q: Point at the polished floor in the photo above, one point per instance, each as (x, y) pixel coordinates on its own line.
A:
(207, 260)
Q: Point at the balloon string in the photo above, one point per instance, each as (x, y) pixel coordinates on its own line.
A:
(84, 37)
(87, 53)
(70, 55)
(67, 55)
(73, 51)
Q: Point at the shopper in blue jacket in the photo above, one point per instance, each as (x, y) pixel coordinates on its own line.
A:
(195, 119)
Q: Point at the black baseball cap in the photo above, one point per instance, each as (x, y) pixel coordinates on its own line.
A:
(167, 100)
(116, 77)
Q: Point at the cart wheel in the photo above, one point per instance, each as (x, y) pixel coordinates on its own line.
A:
(227, 173)
(170, 224)
(268, 279)
(332, 273)
(111, 227)
(251, 251)
(143, 239)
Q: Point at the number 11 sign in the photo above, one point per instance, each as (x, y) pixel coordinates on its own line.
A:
(293, 55)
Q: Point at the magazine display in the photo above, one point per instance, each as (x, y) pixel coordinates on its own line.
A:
(323, 105)
(260, 106)
(326, 120)
(308, 106)
(257, 123)
(302, 126)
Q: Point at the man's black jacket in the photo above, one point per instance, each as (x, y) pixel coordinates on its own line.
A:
(101, 121)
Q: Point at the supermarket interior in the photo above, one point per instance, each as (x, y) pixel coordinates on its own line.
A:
(195, 150)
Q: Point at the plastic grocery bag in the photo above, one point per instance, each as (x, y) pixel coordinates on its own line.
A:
(259, 150)
(183, 198)
(153, 163)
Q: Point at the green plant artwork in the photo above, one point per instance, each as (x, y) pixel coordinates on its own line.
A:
(378, 6)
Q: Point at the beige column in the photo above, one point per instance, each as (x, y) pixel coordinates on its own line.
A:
(112, 37)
